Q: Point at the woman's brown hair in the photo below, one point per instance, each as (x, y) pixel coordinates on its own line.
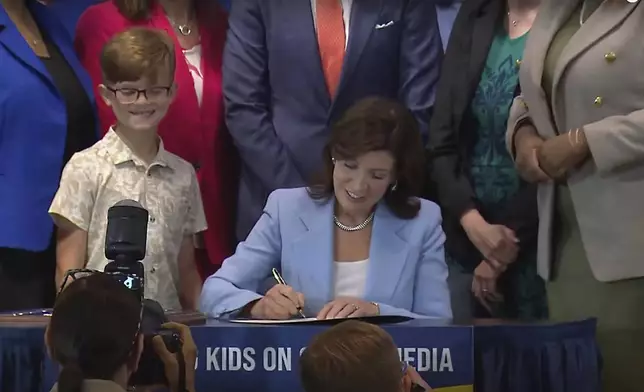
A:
(378, 124)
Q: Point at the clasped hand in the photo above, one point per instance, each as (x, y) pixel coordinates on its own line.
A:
(497, 243)
(561, 154)
(484, 285)
(282, 302)
(539, 161)
(499, 246)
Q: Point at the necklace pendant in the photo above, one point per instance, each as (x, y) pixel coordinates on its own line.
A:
(185, 30)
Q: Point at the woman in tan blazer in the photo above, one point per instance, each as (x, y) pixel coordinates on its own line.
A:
(578, 130)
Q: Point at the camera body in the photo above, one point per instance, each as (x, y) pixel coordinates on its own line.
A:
(151, 370)
(125, 247)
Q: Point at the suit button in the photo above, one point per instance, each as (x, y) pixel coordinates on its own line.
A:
(610, 57)
(598, 101)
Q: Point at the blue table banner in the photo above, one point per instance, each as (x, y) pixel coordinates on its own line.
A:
(244, 358)
(239, 358)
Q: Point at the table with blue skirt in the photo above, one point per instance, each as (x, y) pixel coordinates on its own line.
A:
(488, 356)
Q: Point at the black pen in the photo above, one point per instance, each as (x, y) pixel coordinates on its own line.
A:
(280, 280)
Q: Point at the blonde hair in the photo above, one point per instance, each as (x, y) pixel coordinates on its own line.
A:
(138, 53)
(352, 356)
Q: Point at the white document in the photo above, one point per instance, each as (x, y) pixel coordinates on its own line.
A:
(289, 321)
(313, 320)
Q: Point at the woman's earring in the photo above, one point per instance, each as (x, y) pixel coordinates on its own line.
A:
(333, 160)
(394, 186)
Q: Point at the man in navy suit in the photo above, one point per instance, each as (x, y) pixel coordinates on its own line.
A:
(292, 67)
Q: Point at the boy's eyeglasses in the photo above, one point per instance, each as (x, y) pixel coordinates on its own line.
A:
(127, 96)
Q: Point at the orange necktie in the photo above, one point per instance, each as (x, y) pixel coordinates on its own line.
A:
(331, 40)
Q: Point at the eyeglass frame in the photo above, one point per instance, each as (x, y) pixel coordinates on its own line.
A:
(144, 91)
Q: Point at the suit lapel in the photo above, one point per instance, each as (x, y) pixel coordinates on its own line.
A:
(315, 249)
(601, 22)
(60, 37)
(364, 16)
(13, 41)
(212, 29)
(387, 256)
(485, 26)
(551, 18)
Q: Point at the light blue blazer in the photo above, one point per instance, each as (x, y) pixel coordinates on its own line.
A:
(407, 274)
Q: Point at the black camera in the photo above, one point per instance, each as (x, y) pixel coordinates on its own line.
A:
(151, 370)
(125, 245)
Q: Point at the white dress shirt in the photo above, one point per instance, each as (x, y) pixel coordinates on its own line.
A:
(346, 16)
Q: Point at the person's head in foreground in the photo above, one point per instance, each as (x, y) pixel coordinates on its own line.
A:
(355, 356)
(138, 67)
(95, 336)
(374, 153)
(94, 332)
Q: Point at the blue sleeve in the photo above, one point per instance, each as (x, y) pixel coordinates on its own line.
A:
(238, 280)
(431, 293)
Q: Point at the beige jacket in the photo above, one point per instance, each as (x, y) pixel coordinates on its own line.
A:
(598, 84)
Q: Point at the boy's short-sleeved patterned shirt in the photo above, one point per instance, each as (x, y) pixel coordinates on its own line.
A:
(99, 177)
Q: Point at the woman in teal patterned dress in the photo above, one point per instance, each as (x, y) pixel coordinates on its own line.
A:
(490, 214)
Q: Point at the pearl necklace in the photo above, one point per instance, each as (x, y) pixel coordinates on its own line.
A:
(358, 227)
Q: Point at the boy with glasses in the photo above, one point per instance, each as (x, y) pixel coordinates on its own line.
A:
(130, 162)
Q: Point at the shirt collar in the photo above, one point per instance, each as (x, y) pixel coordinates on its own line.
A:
(120, 152)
